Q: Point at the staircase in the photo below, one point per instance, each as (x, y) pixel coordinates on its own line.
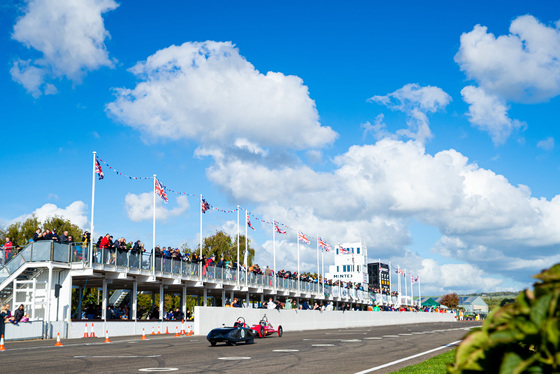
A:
(7, 293)
(118, 297)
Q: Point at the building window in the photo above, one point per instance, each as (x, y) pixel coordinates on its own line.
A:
(358, 250)
(337, 269)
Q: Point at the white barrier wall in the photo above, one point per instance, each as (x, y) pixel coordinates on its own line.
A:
(24, 330)
(208, 318)
(125, 328)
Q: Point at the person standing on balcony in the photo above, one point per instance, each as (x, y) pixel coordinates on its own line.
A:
(8, 249)
(37, 236)
(63, 239)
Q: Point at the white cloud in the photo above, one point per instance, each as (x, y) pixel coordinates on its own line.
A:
(75, 213)
(69, 35)
(209, 93)
(415, 101)
(376, 189)
(546, 144)
(523, 66)
(489, 113)
(140, 207)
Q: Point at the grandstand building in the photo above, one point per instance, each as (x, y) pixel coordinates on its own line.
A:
(350, 263)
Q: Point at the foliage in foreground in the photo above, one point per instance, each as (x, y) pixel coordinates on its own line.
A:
(522, 337)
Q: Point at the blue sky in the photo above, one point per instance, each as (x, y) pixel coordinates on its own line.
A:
(427, 130)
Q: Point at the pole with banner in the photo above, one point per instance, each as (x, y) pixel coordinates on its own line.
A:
(380, 287)
(200, 251)
(390, 284)
(419, 294)
(318, 270)
(92, 207)
(237, 265)
(274, 253)
(245, 259)
(411, 289)
(153, 230)
(298, 264)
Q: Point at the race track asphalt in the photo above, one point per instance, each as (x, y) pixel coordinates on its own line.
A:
(324, 351)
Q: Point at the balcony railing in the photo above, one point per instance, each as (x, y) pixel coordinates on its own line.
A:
(48, 250)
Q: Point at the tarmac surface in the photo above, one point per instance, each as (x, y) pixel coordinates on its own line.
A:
(353, 350)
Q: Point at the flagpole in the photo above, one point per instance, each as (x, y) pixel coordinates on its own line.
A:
(318, 270)
(298, 264)
(274, 252)
(246, 260)
(380, 287)
(399, 299)
(390, 285)
(419, 294)
(92, 210)
(238, 246)
(323, 271)
(405, 287)
(200, 251)
(411, 289)
(154, 230)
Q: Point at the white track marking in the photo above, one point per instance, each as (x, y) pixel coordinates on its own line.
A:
(285, 350)
(234, 358)
(322, 345)
(158, 369)
(390, 336)
(117, 356)
(407, 358)
(351, 341)
(374, 338)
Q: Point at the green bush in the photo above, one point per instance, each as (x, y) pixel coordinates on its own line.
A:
(522, 337)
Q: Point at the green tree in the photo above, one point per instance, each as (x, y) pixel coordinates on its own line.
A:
(451, 300)
(221, 244)
(20, 232)
(61, 225)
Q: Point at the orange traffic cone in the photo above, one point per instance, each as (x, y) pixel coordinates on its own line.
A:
(190, 332)
(177, 332)
(106, 337)
(58, 343)
(92, 333)
(183, 328)
(143, 335)
(2, 348)
(153, 331)
(158, 331)
(167, 330)
(85, 332)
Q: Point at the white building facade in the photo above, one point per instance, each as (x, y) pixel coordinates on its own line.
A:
(350, 264)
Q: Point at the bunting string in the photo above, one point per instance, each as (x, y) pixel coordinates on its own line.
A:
(324, 245)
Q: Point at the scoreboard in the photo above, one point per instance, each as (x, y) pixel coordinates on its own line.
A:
(377, 272)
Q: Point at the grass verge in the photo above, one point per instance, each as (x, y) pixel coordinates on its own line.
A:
(435, 364)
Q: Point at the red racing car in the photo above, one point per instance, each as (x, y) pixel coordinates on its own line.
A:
(264, 328)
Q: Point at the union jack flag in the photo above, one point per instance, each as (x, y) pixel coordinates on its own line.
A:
(98, 169)
(278, 229)
(205, 206)
(160, 191)
(342, 250)
(303, 237)
(249, 222)
(323, 244)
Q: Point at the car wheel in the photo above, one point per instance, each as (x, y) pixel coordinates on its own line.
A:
(250, 341)
(261, 332)
(232, 343)
(213, 343)
(280, 331)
